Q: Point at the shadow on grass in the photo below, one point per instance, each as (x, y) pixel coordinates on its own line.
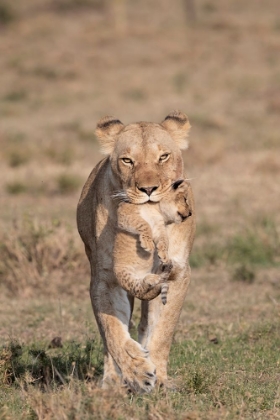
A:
(48, 367)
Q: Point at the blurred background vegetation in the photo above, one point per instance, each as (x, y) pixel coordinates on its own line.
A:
(66, 63)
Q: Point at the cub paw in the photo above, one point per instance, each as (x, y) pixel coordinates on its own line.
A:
(167, 267)
(147, 243)
(162, 252)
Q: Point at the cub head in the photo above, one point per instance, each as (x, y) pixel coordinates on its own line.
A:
(175, 206)
(145, 158)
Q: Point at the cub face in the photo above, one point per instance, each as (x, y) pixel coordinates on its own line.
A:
(145, 158)
(175, 206)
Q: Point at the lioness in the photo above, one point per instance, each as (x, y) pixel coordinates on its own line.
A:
(143, 160)
(137, 268)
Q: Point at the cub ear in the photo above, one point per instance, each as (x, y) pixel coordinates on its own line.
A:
(176, 184)
(178, 126)
(106, 130)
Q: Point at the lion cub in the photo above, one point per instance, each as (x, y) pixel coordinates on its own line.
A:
(138, 266)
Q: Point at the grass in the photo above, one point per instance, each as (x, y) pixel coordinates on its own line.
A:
(68, 183)
(205, 122)
(257, 246)
(63, 156)
(135, 95)
(244, 273)
(180, 81)
(35, 255)
(7, 14)
(17, 158)
(72, 5)
(236, 378)
(45, 72)
(16, 96)
(47, 366)
(16, 187)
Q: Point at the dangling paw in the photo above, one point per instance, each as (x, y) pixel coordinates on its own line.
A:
(147, 243)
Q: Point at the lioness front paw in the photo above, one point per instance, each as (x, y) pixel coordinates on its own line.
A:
(138, 371)
(147, 243)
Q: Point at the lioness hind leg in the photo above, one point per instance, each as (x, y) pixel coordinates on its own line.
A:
(143, 324)
(112, 374)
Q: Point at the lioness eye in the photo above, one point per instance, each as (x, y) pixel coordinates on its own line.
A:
(164, 157)
(127, 161)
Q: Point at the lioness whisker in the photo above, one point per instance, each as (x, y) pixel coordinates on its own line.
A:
(120, 196)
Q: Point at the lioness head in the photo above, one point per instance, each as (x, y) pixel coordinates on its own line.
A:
(145, 157)
(175, 206)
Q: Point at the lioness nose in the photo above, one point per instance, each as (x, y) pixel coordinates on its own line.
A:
(148, 190)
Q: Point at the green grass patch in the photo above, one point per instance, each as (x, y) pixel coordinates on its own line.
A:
(68, 183)
(72, 5)
(180, 81)
(244, 274)
(17, 158)
(16, 96)
(16, 187)
(135, 95)
(205, 122)
(7, 14)
(258, 246)
(63, 156)
(45, 366)
(237, 375)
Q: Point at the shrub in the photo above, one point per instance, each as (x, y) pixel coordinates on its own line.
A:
(16, 187)
(16, 96)
(35, 257)
(17, 158)
(6, 13)
(68, 183)
(244, 274)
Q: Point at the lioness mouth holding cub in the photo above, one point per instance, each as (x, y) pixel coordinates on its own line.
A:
(138, 269)
(137, 220)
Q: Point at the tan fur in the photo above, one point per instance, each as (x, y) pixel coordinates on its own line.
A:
(138, 267)
(143, 160)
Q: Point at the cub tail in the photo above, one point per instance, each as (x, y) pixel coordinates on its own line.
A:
(164, 291)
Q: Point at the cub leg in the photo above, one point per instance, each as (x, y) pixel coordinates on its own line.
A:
(130, 221)
(142, 288)
(166, 268)
(161, 241)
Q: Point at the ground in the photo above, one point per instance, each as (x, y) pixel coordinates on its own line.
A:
(64, 65)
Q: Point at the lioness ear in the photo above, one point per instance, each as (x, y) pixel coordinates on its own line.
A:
(178, 126)
(106, 131)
